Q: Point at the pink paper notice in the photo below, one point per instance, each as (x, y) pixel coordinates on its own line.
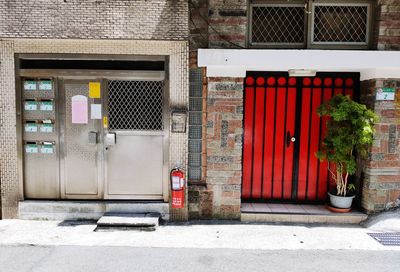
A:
(79, 109)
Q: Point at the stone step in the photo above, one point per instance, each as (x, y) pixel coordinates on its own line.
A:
(129, 221)
(86, 210)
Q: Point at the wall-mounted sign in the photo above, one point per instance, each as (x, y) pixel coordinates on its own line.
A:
(46, 105)
(31, 148)
(30, 85)
(31, 127)
(79, 109)
(30, 105)
(95, 111)
(94, 90)
(45, 85)
(47, 148)
(178, 121)
(385, 94)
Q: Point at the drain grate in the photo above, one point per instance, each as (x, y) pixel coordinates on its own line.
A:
(387, 239)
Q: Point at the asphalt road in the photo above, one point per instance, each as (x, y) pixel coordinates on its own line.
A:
(119, 259)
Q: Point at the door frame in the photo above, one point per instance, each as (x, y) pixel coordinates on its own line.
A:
(298, 114)
(61, 76)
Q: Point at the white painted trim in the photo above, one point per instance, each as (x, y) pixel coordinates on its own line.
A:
(235, 62)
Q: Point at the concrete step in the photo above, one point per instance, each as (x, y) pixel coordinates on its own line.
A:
(291, 213)
(86, 210)
(129, 221)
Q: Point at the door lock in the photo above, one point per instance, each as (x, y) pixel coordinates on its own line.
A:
(289, 138)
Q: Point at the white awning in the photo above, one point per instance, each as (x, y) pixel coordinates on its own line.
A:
(235, 62)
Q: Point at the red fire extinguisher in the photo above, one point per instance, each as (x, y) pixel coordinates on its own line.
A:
(178, 188)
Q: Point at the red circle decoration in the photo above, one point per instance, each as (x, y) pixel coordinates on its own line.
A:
(328, 81)
(281, 81)
(250, 80)
(306, 81)
(349, 82)
(292, 81)
(317, 81)
(338, 82)
(260, 81)
(271, 81)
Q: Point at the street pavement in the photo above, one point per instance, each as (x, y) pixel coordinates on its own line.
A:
(198, 246)
(119, 259)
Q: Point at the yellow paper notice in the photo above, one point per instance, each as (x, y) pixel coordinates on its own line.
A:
(105, 122)
(94, 89)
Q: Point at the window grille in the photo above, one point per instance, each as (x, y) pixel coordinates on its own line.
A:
(277, 24)
(195, 124)
(340, 23)
(136, 105)
(310, 23)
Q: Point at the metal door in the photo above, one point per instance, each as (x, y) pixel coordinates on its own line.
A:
(81, 157)
(282, 133)
(136, 140)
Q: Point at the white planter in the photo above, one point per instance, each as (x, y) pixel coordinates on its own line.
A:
(342, 202)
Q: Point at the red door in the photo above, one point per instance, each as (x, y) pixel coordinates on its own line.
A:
(282, 133)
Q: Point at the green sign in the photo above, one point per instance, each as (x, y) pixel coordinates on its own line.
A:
(30, 105)
(46, 106)
(46, 128)
(30, 85)
(31, 127)
(45, 85)
(47, 149)
(31, 148)
(385, 94)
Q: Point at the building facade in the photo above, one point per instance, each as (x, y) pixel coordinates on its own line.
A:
(101, 99)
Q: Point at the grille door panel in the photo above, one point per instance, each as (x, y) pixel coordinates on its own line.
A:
(136, 164)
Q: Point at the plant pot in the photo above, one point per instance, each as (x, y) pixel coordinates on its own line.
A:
(343, 202)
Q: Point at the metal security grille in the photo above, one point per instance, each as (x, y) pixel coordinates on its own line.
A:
(340, 23)
(135, 105)
(277, 24)
(387, 238)
(195, 124)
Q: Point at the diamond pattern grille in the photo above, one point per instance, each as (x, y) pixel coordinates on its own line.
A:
(278, 24)
(135, 105)
(344, 24)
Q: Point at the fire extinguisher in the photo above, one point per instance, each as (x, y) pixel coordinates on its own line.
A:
(178, 188)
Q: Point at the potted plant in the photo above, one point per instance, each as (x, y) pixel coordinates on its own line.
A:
(350, 131)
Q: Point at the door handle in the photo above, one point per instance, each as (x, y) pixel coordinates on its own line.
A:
(110, 139)
(289, 138)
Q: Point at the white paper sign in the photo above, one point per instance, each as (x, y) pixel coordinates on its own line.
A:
(29, 85)
(45, 85)
(46, 106)
(47, 149)
(95, 111)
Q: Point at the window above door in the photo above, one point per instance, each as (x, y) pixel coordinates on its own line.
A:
(317, 24)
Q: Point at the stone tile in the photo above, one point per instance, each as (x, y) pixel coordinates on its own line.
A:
(312, 209)
(247, 207)
(261, 207)
(295, 208)
(299, 218)
(317, 218)
(248, 217)
(278, 208)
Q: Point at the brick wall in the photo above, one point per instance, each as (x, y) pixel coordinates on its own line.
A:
(388, 25)
(224, 145)
(95, 19)
(381, 183)
(227, 23)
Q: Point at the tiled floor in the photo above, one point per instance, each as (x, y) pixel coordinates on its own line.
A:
(266, 212)
(284, 208)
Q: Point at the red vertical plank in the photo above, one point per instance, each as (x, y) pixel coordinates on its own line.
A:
(289, 150)
(279, 143)
(323, 166)
(269, 141)
(258, 142)
(248, 141)
(303, 154)
(314, 139)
